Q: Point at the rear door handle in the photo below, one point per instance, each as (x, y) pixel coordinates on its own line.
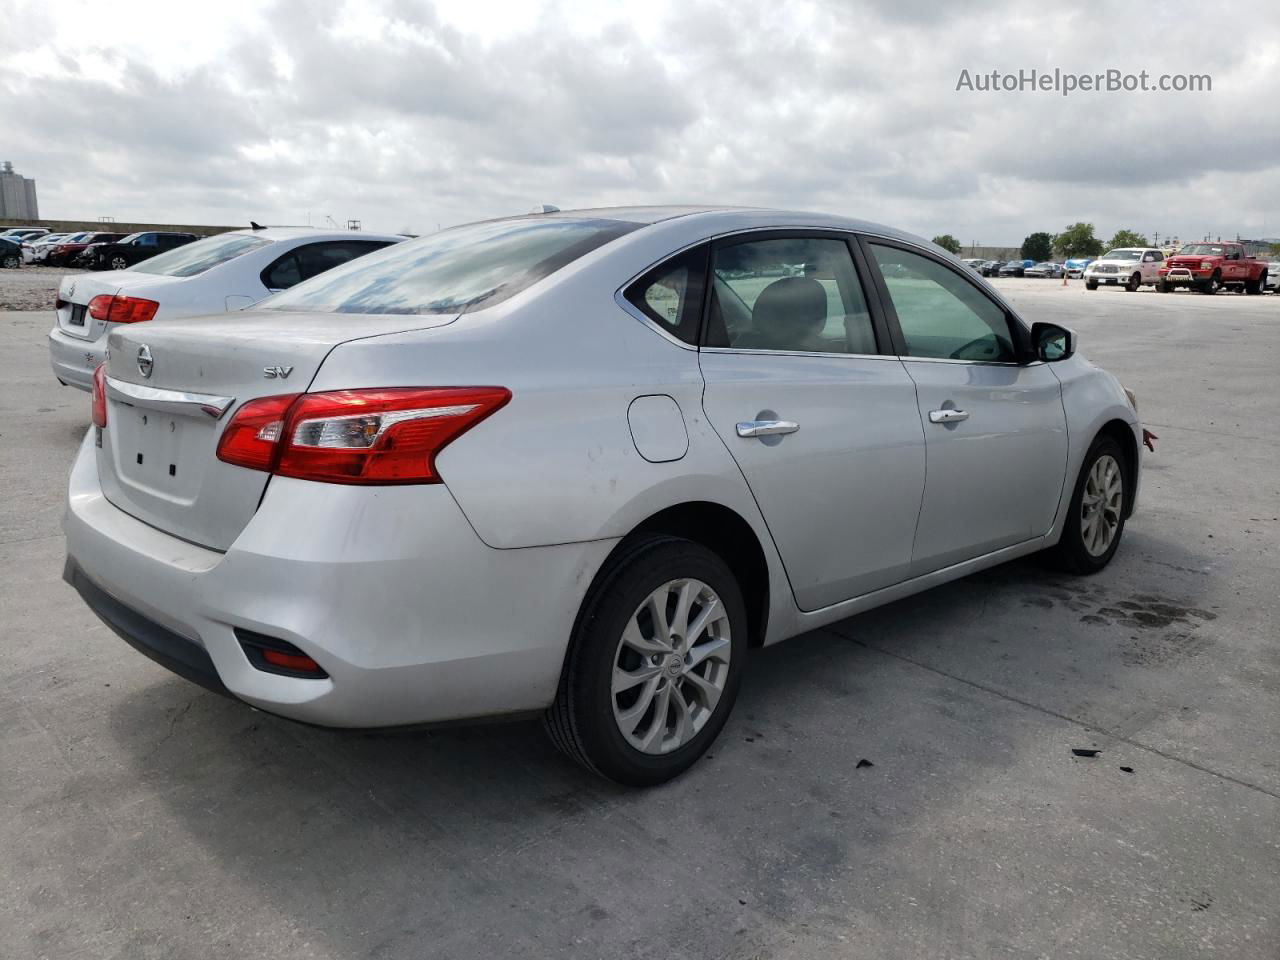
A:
(766, 428)
(948, 416)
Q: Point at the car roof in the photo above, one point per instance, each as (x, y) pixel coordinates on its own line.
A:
(313, 233)
(723, 219)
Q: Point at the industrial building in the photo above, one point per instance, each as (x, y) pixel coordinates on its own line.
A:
(17, 195)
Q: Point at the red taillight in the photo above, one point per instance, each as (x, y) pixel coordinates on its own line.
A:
(377, 436)
(100, 395)
(252, 437)
(117, 309)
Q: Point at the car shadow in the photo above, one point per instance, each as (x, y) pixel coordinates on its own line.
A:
(482, 840)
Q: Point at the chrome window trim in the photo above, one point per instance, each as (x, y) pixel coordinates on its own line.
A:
(649, 322)
(803, 353)
(177, 400)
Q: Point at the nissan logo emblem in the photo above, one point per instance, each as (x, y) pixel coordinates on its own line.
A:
(145, 362)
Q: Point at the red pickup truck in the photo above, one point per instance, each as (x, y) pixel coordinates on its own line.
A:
(1208, 267)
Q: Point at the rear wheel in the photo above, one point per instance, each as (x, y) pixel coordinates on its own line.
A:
(11, 262)
(1256, 286)
(1095, 519)
(654, 664)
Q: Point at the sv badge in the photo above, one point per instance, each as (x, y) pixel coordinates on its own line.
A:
(273, 373)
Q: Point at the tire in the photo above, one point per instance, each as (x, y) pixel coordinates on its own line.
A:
(1164, 287)
(1077, 551)
(1254, 287)
(119, 262)
(1212, 285)
(12, 263)
(1134, 283)
(1091, 284)
(588, 720)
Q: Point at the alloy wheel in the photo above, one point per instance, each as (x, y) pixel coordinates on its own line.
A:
(671, 666)
(119, 263)
(1101, 505)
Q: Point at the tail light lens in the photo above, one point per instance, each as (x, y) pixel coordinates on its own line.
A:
(378, 436)
(100, 395)
(118, 309)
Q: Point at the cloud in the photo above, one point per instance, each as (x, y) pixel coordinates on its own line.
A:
(410, 114)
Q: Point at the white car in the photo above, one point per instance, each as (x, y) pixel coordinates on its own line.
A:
(1273, 275)
(1129, 267)
(20, 234)
(579, 463)
(35, 249)
(222, 273)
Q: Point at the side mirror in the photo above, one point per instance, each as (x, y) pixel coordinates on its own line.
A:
(1050, 342)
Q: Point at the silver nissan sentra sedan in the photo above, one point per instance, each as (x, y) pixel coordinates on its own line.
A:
(579, 463)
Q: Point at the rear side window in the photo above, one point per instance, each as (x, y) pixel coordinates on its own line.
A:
(788, 293)
(313, 259)
(671, 294)
(194, 258)
(455, 271)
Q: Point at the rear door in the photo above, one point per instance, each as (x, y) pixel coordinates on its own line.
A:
(995, 429)
(820, 418)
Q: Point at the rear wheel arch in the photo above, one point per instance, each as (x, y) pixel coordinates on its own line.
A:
(723, 531)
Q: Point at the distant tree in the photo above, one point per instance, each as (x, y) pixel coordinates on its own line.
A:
(1037, 247)
(1077, 241)
(1127, 238)
(1275, 248)
(947, 242)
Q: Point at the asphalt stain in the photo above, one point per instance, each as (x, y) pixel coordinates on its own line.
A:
(1167, 632)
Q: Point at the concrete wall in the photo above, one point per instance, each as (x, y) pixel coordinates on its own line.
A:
(76, 226)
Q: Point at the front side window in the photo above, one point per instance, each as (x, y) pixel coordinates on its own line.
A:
(792, 293)
(455, 271)
(194, 258)
(940, 313)
(671, 294)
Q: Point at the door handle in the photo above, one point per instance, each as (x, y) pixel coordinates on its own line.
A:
(948, 416)
(766, 428)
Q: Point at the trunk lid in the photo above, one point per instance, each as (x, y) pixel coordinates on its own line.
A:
(158, 457)
(76, 290)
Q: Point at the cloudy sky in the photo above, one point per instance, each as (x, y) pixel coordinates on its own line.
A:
(407, 114)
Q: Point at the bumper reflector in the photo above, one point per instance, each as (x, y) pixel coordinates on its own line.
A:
(273, 655)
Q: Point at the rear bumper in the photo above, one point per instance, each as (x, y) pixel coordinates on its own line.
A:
(414, 619)
(73, 360)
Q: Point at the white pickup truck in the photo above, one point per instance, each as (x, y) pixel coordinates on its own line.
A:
(1129, 267)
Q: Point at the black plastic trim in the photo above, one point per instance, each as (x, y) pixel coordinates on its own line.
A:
(172, 651)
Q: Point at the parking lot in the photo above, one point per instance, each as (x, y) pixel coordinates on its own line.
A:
(899, 785)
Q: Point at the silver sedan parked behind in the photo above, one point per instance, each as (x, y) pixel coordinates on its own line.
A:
(578, 464)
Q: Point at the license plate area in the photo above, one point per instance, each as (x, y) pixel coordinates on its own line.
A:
(157, 452)
(76, 318)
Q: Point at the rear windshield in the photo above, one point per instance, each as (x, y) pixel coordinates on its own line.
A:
(197, 257)
(454, 271)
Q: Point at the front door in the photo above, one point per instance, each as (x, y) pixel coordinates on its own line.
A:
(995, 430)
(821, 421)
